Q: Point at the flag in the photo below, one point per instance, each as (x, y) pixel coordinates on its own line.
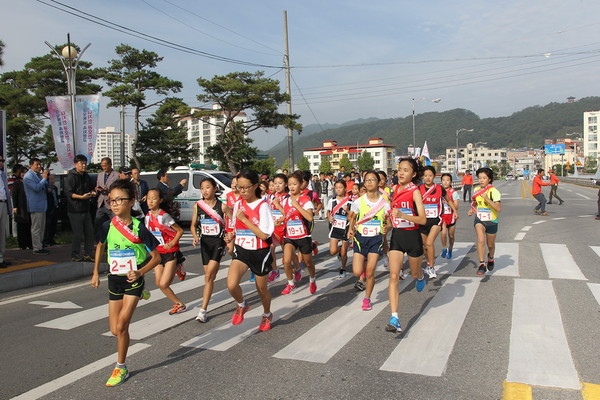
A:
(59, 110)
(425, 154)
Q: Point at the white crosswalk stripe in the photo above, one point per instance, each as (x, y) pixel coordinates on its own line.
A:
(560, 262)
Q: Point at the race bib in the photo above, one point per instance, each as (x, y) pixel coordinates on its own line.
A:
(246, 239)
(276, 214)
(158, 235)
(484, 214)
(339, 221)
(402, 223)
(447, 209)
(122, 261)
(431, 210)
(370, 228)
(210, 227)
(295, 228)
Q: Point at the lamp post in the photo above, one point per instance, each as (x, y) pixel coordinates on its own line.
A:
(70, 61)
(414, 102)
(456, 161)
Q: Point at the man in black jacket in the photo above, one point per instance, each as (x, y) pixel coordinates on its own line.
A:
(79, 189)
(163, 185)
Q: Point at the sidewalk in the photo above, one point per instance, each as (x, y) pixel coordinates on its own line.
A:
(28, 269)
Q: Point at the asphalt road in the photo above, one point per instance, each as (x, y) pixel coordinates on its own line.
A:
(534, 320)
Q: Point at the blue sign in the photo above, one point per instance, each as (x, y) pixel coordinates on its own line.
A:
(554, 149)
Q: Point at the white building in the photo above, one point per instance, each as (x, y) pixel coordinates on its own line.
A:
(525, 161)
(383, 154)
(108, 144)
(204, 132)
(590, 134)
(472, 157)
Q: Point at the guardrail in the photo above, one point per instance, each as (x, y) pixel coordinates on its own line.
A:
(590, 181)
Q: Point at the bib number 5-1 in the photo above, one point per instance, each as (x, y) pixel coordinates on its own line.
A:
(122, 261)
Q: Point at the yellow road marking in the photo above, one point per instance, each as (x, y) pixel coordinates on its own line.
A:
(590, 391)
(526, 190)
(516, 391)
(26, 266)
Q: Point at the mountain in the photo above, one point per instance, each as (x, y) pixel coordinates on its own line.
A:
(526, 128)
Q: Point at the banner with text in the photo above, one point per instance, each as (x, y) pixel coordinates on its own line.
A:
(87, 111)
(59, 110)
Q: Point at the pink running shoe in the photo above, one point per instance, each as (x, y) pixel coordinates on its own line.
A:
(288, 289)
(312, 287)
(238, 315)
(297, 274)
(366, 306)
(315, 250)
(274, 275)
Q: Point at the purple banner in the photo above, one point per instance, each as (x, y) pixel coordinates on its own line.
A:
(59, 110)
(87, 110)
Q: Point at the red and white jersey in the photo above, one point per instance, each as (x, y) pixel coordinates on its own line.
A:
(281, 197)
(160, 227)
(432, 200)
(296, 227)
(259, 213)
(403, 199)
(230, 200)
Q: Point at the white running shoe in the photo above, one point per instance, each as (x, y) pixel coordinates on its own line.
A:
(431, 272)
(202, 315)
(402, 275)
(386, 261)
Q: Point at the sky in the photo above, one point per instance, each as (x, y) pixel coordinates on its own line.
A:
(350, 59)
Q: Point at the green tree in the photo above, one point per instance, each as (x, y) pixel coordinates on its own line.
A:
(304, 164)
(235, 95)
(345, 162)
(267, 166)
(286, 165)
(131, 77)
(504, 167)
(239, 155)
(1, 53)
(590, 165)
(162, 143)
(325, 165)
(365, 161)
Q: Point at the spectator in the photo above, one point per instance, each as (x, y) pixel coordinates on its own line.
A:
(394, 177)
(141, 189)
(554, 187)
(316, 185)
(285, 172)
(598, 215)
(11, 179)
(105, 178)
(467, 182)
(79, 190)
(51, 212)
(36, 184)
(326, 186)
(20, 214)
(125, 173)
(5, 211)
(342, 172)
(163, 185)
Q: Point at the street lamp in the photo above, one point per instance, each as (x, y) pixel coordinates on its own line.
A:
(415, 101)
(70, 61)
(456, 161)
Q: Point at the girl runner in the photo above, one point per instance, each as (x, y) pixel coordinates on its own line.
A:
(337, 214)
(209, 218)
(230, 200)
(369, 215)
(131, 254)
(408, 213)
(276, 199)
(253, 223)
(432, 194)
(486, 206)
(449, 223)
(386, 192)
(161, 224)
(298, 218)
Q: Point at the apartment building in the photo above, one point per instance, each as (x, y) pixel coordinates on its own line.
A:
(108, 144)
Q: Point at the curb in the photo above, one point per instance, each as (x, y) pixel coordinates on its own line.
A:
(47, 275)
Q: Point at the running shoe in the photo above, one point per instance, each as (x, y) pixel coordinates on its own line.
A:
(202, 315)
(490, 264)
(393, 325)
(449, 256)
(252, 278)
(481, 270)
(177, 308)
(118, 376)
(444, 253)
(386, 261)
(421, 284)
(76, 258)
(275, 274)
(265, 323)
(544, 214)
(288, 289)
(431, 272)
(342, 274)
(238, 315)
(88, 258)
(315, 249)
(360, 286)
(366, 306)
(402, 275)
(180, 271)
(537, 211)
(145, 295)
(297, 274)
(312, 287)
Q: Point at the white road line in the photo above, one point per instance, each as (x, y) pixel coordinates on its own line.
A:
(459, 252)
(506, 259)
(539, 352)
(539, 222)
(560, 263)
(584, 196)
(80, 373)
(595, 289)
(227, 335)
(558, 219)
(585, 216)
(519, 236)
(46, 292)
(427, 346)
(526, 228)
(596, 249)
(326, 338)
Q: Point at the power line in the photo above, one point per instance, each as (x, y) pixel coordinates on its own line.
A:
(307, 105)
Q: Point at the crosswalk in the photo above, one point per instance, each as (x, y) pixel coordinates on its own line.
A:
(428, 341)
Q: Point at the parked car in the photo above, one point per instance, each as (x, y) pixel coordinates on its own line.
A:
(510, 177)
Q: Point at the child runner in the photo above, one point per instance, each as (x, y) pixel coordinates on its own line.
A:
(209, 218)
(161, 224)
(337, 214)
(316, 201)
(131, 254)
(230, 200)
(297, 217)
(432, 194)
(362, 190)
(407, 214)
(369, 214)
(486, 206)
(253, 223)
(448, 220)
(386, 192)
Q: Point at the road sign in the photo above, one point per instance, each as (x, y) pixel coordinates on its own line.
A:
(554, 149)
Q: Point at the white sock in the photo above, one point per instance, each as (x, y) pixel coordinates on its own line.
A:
(291, 283)
(122, 366)
(242, 304)
(266, 315)
(311, 280)
(395, 314)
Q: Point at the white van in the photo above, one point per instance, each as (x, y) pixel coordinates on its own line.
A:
(191, 191)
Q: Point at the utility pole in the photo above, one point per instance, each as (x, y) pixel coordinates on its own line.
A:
(288, 90)
(122, 136)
